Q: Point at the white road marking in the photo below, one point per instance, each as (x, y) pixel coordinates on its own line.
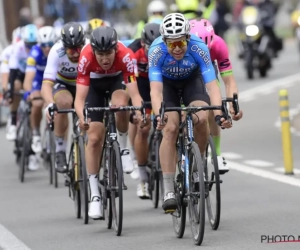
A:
(232, 156)
(251, 94)
(281, 170)
(259, 163)
(10, 242)
(264, 174)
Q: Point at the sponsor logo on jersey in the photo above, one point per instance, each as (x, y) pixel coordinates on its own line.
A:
(81, 64)
(224, 64)
(179, 72)
(61, 52)
(204, 54)
(155, 56)
(129, 63)
(171, 62)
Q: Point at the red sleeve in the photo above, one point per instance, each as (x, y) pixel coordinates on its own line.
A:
(127, 62)
(84, 66)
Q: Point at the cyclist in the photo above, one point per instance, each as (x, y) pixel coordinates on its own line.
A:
(4, 58)
(180, 61)
(59, 83)
(104, 65)
(219, 52)
(156, 10)
(140, 132)
(36, 63)
(17, 66)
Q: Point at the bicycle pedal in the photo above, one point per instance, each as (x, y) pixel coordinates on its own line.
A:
(125, 187)
(67, 183)
(170, 211)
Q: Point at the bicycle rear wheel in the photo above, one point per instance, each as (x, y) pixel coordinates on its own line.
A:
(84, 179)
(212, 185)
(196, 201)
(116, 186)
(24, 159)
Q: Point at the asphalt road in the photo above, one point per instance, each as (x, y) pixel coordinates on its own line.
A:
(252, 206)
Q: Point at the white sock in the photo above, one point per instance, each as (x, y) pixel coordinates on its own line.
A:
(60, 144)
(143, 174)
(131, 150)
(122, 138)
(93, 179)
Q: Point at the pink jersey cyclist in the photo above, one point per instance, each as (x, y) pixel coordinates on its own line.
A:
(218, 52)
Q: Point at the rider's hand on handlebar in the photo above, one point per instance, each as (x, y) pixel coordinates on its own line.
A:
(236, 117)
(83, 125)
(47, 110)
(220, 120)
(157, 123)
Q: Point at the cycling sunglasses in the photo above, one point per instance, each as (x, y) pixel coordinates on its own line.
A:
(30, 45)
(73, 50)
(173, 45)
(45, 45)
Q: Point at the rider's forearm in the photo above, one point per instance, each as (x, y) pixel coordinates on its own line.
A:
(4, 80)
(156, 96)
(230, 85)
(215, 96)
(29, 76)
(46, 92)
(81, 94)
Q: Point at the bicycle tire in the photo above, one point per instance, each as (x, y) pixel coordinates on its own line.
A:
(74, 185)
(84, 179)
(197, 220)
(213, 180)
(105, 193)
(52, 159)
(25, 148)
(179, 219)
(116, 182)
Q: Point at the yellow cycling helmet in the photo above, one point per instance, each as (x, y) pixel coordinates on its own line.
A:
(93, 24)
(190, 5)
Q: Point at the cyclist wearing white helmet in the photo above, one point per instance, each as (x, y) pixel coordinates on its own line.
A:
(36, 63)
(155, 11)
(17, 66)
(4, 58)
(178, 62)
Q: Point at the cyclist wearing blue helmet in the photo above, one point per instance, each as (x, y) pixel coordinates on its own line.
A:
(36, 63)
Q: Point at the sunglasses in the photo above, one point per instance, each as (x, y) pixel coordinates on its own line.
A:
(49, 44)
(73, 50)
(29, 45)
(173, 45)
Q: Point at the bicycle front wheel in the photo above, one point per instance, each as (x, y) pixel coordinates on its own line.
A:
(24, 159)
(196, 201)
(212, 185)
(116, 186)
(83, 179)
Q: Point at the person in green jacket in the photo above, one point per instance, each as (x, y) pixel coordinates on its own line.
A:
(156, 11)
(190, 8)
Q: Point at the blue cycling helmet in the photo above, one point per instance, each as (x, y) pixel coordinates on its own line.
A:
(29, 33)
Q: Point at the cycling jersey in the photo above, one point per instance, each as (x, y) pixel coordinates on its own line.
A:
(19, 55)
(141, 58)
(161, 63)
(4, 58)
(59, 68)
(36, 62)
(219, 52)
(88, 67)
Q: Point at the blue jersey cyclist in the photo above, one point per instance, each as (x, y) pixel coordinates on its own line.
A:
(178, 62)
(36, 63)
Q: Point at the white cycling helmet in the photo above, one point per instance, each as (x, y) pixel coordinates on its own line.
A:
(174, 26)
(156, 6)
(47, 34)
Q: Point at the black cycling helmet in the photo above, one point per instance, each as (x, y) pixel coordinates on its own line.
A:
(104, 38)
(72, 35)
(150, 33)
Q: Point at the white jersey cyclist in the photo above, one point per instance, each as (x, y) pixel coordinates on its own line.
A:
(4, 58)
